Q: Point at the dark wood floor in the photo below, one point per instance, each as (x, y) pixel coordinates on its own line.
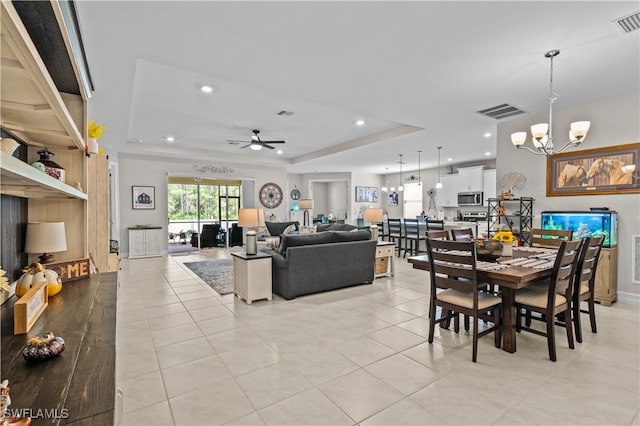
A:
(77, 386)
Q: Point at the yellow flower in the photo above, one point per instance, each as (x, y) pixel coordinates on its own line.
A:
(505, 237)
(95, 130)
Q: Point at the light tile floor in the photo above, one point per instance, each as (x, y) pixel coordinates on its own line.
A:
(187, 356)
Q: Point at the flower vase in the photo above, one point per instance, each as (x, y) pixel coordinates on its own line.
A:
(507, 249)
(92, 145)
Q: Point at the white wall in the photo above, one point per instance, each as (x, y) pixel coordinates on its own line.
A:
(614, 121)
(146, 171)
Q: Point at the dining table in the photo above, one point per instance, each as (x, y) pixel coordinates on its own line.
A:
(511, 273)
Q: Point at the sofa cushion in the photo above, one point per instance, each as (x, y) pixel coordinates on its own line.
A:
(303, 240)
(277, 228)
(354, 235)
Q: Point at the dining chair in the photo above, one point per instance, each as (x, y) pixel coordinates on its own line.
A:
(383, 232)
(551, 238)
(462, 234)
(438, 235)
(552, 299)
(454, 288)
(585, 282)
(412, 237)
(395, 233)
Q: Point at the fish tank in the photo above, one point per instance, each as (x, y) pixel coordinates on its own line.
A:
(585, 224)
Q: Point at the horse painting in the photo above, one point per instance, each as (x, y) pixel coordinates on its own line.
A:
(572, 176)
(612, 169)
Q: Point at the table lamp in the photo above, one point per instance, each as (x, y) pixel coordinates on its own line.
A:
(306, 205)
(45, 238)
(250, 218)
(374, 216)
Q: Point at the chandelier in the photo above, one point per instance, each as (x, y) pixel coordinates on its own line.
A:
(419, 180)
(385, 188)
(543, 142)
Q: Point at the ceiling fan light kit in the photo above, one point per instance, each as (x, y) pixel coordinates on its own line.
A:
(256, 143)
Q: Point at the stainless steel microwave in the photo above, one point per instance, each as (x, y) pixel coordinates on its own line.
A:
(470, 198)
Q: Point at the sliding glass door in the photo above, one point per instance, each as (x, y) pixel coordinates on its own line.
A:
(194, 202)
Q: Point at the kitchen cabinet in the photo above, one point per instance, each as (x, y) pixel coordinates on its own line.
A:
(470, 179)
(489, 184)
(144, 242)
(448, 194)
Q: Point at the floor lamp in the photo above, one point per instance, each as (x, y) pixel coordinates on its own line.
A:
(374, 216)
(306, 205)
(250, 218)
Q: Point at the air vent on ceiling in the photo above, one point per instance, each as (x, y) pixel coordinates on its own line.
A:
(501, 111)
(285, 113)
(629, 23)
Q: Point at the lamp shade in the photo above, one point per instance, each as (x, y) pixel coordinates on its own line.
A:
(373, 215)
(306, 204)
(45, 237)
(250, 217)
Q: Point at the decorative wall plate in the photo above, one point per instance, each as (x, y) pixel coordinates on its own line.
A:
(270, 195)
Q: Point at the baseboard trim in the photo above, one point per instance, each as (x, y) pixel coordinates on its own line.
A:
(632, 298)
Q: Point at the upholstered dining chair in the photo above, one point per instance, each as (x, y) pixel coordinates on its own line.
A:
(585, 282)
(462, 234)
(412, 237)
(395, 233)
(455, 289)
(550, 237)
(551, 299)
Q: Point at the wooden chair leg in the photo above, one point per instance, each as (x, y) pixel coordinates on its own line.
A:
(475, 338)
(432, 321)
(498, 331)
(456, 322)
(551, 338)
(592, 315)
(568, 324)
(576, 321)
(466, 323)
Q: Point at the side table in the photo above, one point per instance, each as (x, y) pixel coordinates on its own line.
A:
(252, 276)
(385, 266)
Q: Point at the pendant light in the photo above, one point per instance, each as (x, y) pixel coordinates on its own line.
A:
(401, 188)
(419, 180)
(385, 188)
(439, 184)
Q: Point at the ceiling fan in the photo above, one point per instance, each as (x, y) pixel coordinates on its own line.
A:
(256, 143)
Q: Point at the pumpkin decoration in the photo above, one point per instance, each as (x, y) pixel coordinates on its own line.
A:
(36, 273)
(43, 348)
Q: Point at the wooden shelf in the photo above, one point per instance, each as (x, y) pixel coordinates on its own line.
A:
(21, 180)
(31, 106)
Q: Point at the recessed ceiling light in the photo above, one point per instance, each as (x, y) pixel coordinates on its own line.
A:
(360, 122)
(206, 88)
(169, 138)
(449, 159)
(487, 135)
(279, 152)
(487, 153)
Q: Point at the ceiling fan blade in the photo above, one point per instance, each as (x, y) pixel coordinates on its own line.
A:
(267, 146)
(237, 141)
(245, 145)
(271, 141)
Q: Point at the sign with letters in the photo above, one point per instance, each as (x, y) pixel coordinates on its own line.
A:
(70, 270)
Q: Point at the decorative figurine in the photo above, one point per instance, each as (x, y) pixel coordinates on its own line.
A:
(43, 348)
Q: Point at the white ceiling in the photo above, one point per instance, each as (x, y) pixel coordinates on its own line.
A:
(417, 72)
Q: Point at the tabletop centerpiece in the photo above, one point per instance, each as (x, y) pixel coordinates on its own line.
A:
(507, 239)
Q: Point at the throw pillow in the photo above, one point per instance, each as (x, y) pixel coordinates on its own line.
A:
(289, 229)
(262, 231)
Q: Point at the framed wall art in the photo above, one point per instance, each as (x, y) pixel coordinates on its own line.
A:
(366, 194)
(144, 197)
(607, 170)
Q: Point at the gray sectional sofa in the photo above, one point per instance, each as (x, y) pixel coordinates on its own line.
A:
(305, 264)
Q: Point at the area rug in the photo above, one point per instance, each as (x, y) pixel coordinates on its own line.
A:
(217, 273)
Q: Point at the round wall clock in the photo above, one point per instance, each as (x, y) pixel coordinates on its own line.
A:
(295, 194)
(270, 195)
